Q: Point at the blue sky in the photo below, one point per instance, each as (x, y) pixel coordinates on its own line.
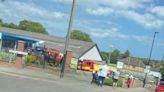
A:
(122, 24)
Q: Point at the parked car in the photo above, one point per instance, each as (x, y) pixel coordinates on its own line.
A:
(160, 87)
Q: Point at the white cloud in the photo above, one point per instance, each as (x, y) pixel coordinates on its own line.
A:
(115, 33)
(147, 20)
(141, 38)
(103, 33)
(20, 9)
(101, 11)
(14, 11)
(158, 10)
(129, 10)
(121, 4)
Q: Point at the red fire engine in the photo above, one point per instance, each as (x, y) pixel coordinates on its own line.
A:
(86, 65)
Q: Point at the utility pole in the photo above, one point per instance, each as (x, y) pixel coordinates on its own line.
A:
(145, 79)
(67, 39)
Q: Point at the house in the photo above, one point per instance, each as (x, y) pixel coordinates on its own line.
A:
(80, 49)
(155, 72)
(133, 64)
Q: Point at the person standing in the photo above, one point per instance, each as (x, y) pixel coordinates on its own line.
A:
(129, 82)
(94, 77)
(115, 79)
(103, 73)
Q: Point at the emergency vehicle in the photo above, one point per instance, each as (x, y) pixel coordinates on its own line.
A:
(88, 65)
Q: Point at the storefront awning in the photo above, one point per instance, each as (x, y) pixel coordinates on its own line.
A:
(26, 39)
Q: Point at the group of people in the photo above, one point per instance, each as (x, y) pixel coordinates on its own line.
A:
(99, 78)
(103, 73)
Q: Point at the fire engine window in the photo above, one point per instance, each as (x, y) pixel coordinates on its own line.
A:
(88, 64)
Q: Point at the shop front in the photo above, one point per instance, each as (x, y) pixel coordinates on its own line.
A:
(10, 41)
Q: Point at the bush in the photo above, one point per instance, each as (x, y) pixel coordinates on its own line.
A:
(7, 56)
(109, 81)
(30, 58)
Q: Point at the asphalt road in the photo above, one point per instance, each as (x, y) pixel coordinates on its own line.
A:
(9, 83)
(18, 84)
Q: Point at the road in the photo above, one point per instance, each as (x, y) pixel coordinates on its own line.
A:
(12, 83)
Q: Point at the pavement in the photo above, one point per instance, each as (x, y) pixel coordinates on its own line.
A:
(38, 80)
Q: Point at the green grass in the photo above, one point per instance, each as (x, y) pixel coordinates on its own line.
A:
(109, 81)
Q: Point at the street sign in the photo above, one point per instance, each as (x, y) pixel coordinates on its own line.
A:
(74, 62)
(120, 65)
(147, 69)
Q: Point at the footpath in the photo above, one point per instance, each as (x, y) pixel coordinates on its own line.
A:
(81, 82)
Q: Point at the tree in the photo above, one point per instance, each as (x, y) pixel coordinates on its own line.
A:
(105, 56)
(115, 56)
(12, 25)
(26, 25)
(32, 26)
(5, 24)
(126, 54)
(1, 22)
(162, 73)
(9, 25)
(78, 35)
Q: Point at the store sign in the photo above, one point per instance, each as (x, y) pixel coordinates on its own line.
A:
(74, 62)
(120, 65)
(18, 52)
(147, 69)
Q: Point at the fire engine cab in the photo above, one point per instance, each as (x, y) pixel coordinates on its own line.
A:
(85, 65)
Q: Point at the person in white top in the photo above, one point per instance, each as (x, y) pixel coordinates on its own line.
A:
(103, 74)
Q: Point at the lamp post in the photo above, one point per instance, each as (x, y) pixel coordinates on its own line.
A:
(67, 39)
(145, 79)
(152, 47)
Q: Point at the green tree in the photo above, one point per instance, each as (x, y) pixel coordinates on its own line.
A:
(78, 35)
(5, 24)
(1, 22)
(32, 26)
(12, 25)
(126, 54)
(9, 25)
(115, 56)
(105, 56)
(162, 73)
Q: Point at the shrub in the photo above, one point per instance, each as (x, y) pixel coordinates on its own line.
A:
(7, 56)
(109, 81)
(30, 58)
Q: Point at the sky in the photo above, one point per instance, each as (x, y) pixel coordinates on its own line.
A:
(112, 24)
